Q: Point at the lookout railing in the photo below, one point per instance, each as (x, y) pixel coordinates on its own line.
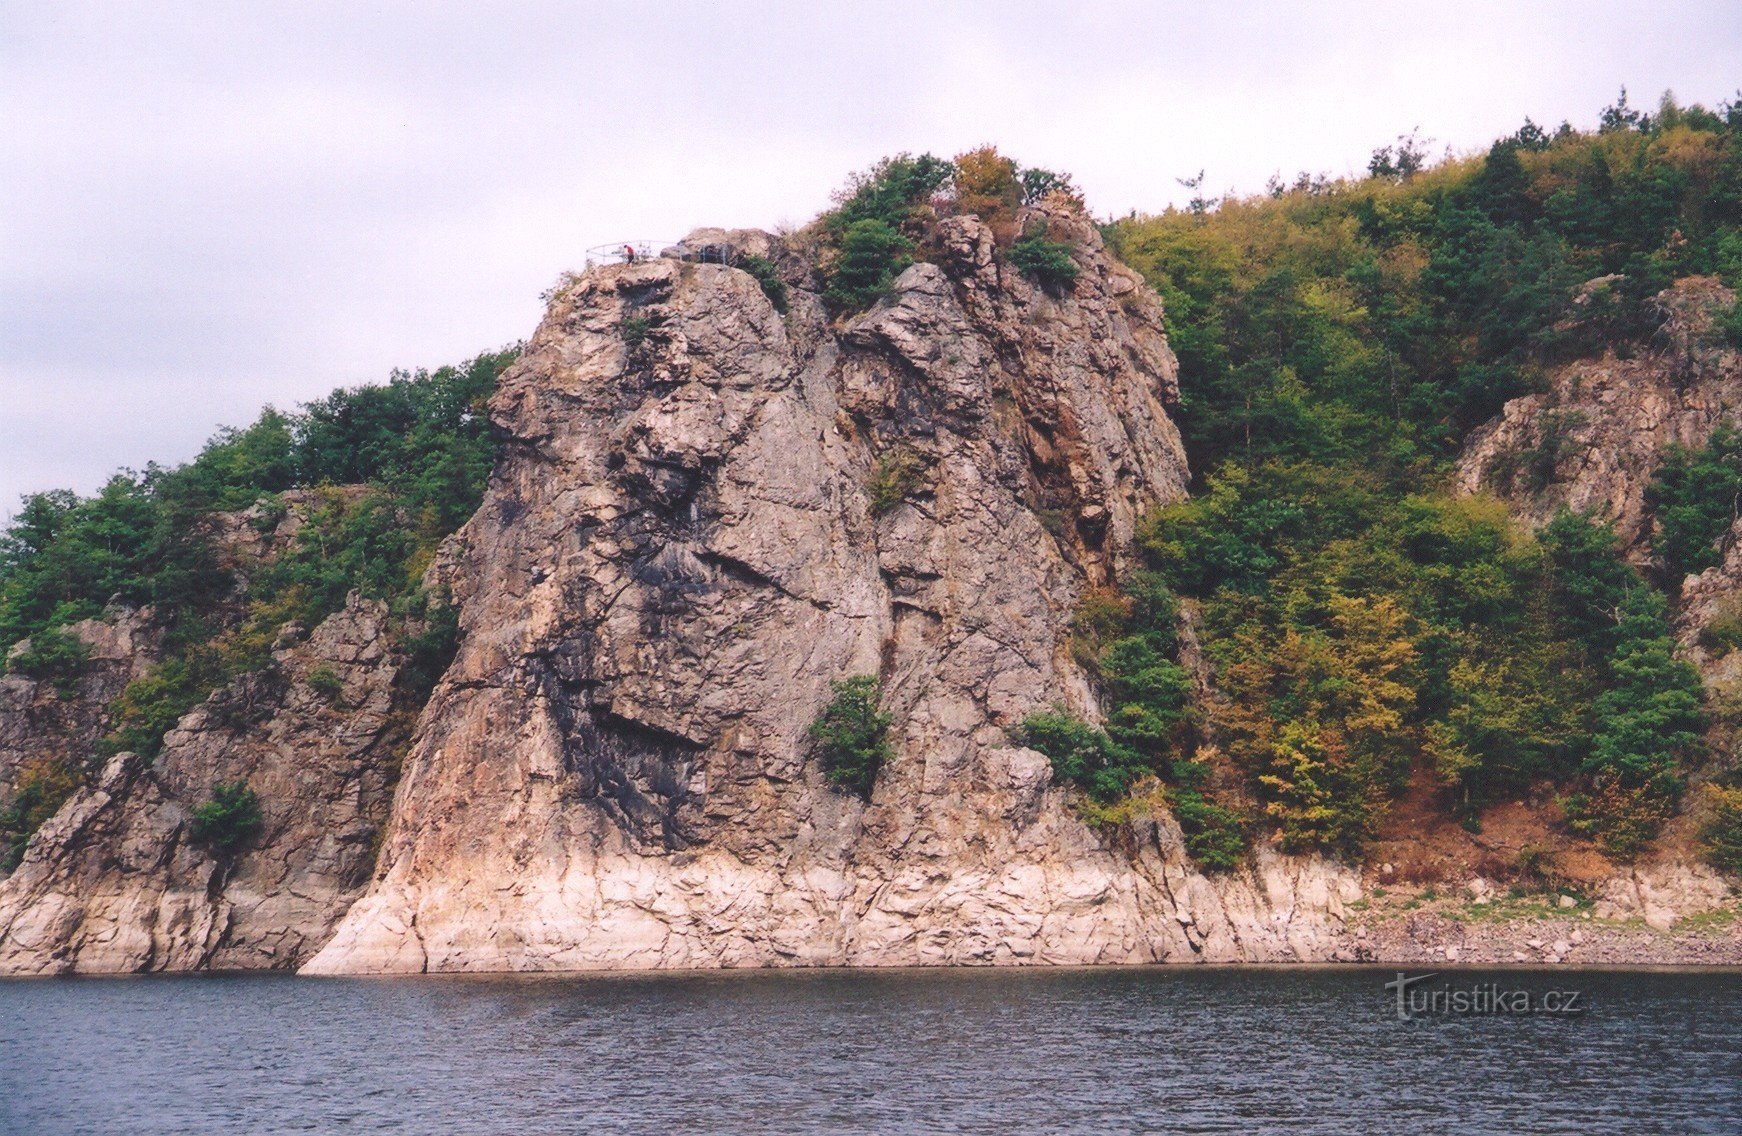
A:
(628, 252)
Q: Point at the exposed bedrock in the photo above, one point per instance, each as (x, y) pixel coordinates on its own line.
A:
(704, 512)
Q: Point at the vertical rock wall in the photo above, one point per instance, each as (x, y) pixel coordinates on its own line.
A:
(704, 513)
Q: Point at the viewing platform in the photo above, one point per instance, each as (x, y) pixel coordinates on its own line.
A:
(633, 251)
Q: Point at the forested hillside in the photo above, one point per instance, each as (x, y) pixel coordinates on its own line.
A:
(1366, 633)
(1337, 340)
(389, 470)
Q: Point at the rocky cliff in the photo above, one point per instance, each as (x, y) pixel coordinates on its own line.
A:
(1592, 440)
(691, 532)
(708, 507)
(115, 881)
(45, 722)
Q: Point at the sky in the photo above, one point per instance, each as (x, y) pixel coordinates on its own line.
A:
(208, 208)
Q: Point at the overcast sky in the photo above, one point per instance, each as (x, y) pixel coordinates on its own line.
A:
(205, 208)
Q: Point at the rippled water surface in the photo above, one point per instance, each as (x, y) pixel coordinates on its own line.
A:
(1111, 1051)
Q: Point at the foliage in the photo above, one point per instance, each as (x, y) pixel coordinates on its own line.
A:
(1049, 263)
(1729, 322)
(1129, 642)
(1337, 340)
(419, 445)
(1214, 836)
(894, 477)
(851, 734)
(1386, 316)
(891, 192)
(987, 184)
(430, 648)
(1038, 184)
(872, 253)
(634, 331)
(1723, 631)
(1645, 727)
(1696, 496)
(1321, 715)
(227, 820)
(1623, 819)
(52, 656)
(43, 786)
(768, 276)
(1721, 836)
(1082, 755)
(1358, 634)
(885, 217)
(325, 682)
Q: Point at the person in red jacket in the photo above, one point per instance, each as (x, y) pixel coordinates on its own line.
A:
(628, 254)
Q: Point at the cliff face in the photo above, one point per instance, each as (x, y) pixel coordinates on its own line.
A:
(687, 538)
(40, 722)
(1594, 438)
(114, 881)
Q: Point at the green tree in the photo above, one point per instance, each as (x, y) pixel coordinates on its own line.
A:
(1696, 496)
(872, 253)
(851, 734)
(227, 820)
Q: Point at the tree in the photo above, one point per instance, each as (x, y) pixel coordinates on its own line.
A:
(851, 734)
(1696, 496)
(871, 254)
(227, 820)
(987, 184)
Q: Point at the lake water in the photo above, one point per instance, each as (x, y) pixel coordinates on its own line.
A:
(1105, 1051)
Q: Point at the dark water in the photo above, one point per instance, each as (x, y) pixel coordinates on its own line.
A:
(1170, 1050)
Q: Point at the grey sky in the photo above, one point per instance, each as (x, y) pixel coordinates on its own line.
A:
(206, 208)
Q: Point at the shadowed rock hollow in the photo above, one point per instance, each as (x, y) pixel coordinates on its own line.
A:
(705, 511)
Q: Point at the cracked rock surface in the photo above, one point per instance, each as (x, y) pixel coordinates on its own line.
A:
(692, 529)
(113, 882)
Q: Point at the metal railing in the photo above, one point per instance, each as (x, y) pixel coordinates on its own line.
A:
(628, 252)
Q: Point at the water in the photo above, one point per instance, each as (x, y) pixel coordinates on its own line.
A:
(1109, 1051)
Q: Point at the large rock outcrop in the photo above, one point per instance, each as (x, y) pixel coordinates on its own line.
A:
(1593, 439)
(114, 883)
(44, 721)
(692, 529)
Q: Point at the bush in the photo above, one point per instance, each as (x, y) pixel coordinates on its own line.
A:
(871, 254)
(850, 735)
(226, 821)
(1048, 263)
(1083, 756)
(1214, 835)
(43, 786)
(429, 651)
(325, 682)
(1623, 819)
(1722, 834)
(634, 331)
(1723, 631)
(768, 276)
(895, 476)
(150, 706)
(53, 656)
(1696, 496)
(1729, 324)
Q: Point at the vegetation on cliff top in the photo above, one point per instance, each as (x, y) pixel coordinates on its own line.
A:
(392, 469)
(883, 220)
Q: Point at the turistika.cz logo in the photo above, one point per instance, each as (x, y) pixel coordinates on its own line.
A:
(1480, 999)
